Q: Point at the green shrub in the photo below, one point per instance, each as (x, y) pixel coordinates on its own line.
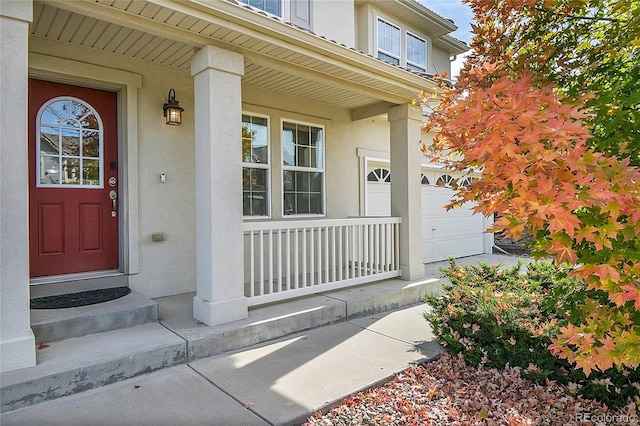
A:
(496, 317)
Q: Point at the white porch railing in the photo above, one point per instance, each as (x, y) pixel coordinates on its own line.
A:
(285, 259)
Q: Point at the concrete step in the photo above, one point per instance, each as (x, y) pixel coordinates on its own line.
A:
(53, 325)
(276, 320)
(87, 362)
(90, 361)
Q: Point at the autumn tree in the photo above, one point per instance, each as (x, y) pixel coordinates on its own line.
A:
(548, 108)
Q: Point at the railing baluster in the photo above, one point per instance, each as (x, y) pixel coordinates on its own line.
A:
(325, 255)
(279, 260)
(372, 247)
(348, 251)
(261, 286)
(288, 261)
(252, 266)
(271, 262)
(351, 252)
(334, 249)
(367, 249)
(360, 252)
(296, 260)
(376, 235)
(396, 244)
(312, 257)
(385, 230)
(339, 263)
(304, 257)
(356, 257)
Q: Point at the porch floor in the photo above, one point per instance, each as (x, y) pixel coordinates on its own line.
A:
(88, 362)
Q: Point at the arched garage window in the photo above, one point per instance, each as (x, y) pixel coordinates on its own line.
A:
(444, 181)
(466, 181)
(379, 175)
(424, 180)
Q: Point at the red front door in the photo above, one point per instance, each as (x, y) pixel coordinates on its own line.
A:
(73, 186)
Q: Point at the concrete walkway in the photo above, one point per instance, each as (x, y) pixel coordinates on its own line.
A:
(279, 382)
(282, 382)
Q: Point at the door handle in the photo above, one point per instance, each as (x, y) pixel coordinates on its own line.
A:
(114, 204)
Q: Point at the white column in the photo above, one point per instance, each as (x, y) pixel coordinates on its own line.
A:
(17, 344)
(219, 242)
(406, 121)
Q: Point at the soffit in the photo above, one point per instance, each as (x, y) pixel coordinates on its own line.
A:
(169, 32)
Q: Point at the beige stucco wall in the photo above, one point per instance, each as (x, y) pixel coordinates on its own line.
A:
(346, 169)
(167, 267)
(439, 62)
(365, 34)
(334, 20)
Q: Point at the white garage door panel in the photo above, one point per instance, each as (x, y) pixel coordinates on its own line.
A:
(461, 226)
(378, 199)
(453, 233)
(458, 247)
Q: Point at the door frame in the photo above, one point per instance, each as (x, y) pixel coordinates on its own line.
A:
(126, 85)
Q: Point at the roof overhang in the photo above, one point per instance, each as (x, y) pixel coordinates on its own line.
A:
(451, 45)
(169, 32)
(415, 14)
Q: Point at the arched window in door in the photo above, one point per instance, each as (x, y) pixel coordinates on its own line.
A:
(69, 145)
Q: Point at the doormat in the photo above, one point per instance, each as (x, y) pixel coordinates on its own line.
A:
(83, 298)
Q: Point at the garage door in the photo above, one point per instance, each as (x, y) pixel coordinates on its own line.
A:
(453, 233)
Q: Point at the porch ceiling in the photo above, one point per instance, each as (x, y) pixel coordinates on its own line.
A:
(278, 56)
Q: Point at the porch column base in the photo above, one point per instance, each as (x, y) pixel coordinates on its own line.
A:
(412, 272)
(19, 352)
(215, 313)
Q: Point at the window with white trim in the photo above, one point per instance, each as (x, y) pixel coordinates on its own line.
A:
(255, 165)
(70, 145)
(398, 45)
(303, 169)
(388, 42)
(416, 53)
(273, 7)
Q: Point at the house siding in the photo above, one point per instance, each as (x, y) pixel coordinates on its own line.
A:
(334, 20)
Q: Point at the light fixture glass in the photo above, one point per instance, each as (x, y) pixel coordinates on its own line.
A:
(172, 109)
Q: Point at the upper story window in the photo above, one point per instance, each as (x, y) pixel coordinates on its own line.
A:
(303, 169)
(271, 6)
(388, 42)
(398, 46)
(255, 166)
(416, 53)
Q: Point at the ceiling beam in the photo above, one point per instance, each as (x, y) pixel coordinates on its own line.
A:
(371, 110)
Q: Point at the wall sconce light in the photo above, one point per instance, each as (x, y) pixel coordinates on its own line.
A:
(173, 110)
